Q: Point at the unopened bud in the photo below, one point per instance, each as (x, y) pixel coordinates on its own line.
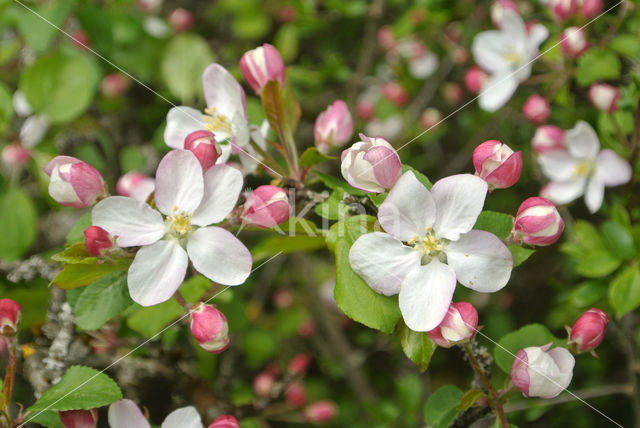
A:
(320, 412)
(181, 19)
(588, 331)
(537, 222)
(261, 65)
(210, 328)
(74, 183)
(225, 421)
(604, 97)
(79, 418)
(98, 241)
(266, 207)
(536, 109)
(203, 145)
(333, 127)
(547, 138)
(497, 164)
(10, 314)
(540, 372)
(371, 165)
(458, 326)
(573, 42)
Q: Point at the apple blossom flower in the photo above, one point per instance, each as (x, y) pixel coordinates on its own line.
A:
(203, 145)
(333, 127)
(295, 394)
(563, 9)
(261, 65)
(225, 115)
(266, 207)
(74, 183)
(210, 328)
(429, 246)
(474, 79)
(506, 55)
(591, 8)
(548, 138)
(79, 418)
(497, 10)
(320, 411)
(540, 372)
(421, 62)
(263, 384)
(604, 97)
(188, 202)
(458, 326)
(136, 185)
(98, 241)
(537, 222)
(125, 414)
(10, 314)
(181, 19)
(497, 164)
(588, 331)
(582, 169)
(371, 164)
(536, 109)
(225, 421)
(573, 42)
(15, 155)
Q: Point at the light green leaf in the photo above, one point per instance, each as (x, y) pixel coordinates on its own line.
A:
(6, 106)
(336, 184)
(618, 240)
(624, 291)
(75, 254)
(597, 64)
(418, 346)
(627, 45)
(420, 176)
(588, 251)
(469, 399)
(440, 409)
(37, 31)
(18, 225)
(520, 254)
(101, 301)
(509, 345)
(286, 244)
(497, 223)
(76, 234)
(148, 321)
(77, 275)
(312, 156)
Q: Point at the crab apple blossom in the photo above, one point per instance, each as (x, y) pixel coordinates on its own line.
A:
(573, 42)
(604, 97)
(458, 326)
(181, 19)
(15, 156)
(10, 314)
(125, 414)
(203, 145)
(225, 421)
(536, 109)
(506, 55)
(563, 9)
(74, 183)
(540, 372)
(537, 222)
(582, 169)
(296, 394)
(210, 328)
(429, 245)
(263, 384)
(497, 10)
(371, 164)
(136, 185)
(79, 418)
(320, 412)
(261, 65)
(266, 207)
(547, 138)
(474, 79)
(591, 8)
(98, 241)
(588, 331)
(333, 127)
(188, 202)
(497, 164)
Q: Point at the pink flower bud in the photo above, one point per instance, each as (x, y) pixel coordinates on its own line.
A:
(333, 126)
(371, 165)
(299, 364)
(261, 65)
(282, 298)
(79, 418)
(296, 394)
(74, 183)
(548, 138)
(181, 19)
(267, 206)
(135, 185)
(430, 117)
(365, 109)
(287, 13)
(225, 421)
(604, 97)
(536, 109)
(114, 84)
(320, 412)
(563, 9)
(591, 8)
(80, 39)
(209, 327)
(203, 145)
(14, 155)
(386, 39)
(98, 241)
(452, 93)
(475, 79)
(263, 384)
(497, 10)
(588, 330)
(10, 314)
(540, 372)
(149, 6)
(573, 42)
(395, 93)
(497, 164)
(458, 326)
(538, 222)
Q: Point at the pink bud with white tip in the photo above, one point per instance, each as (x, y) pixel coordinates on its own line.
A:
(588, 331)
(98, 241)
(261, 65)
(203, 144)
(538, 371)
(537, 222)
(497, 164)
(591, 8)
(458, 326)
(333, 127)
(320, 412)
(604, 97)
(475, 79)
(371, 165)
(548, 138)
(210, 328)
(10, 314)
(225, 421)
(74, 183)
(79, 418)
(266, 207)
(563, 9)
(573, 42)
(536, 109)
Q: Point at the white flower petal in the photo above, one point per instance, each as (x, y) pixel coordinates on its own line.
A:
(185, 417)
(515, 31)
(157, 272)
(481, 261)
(594, 194)
(537, 34)
(132, 221)
(222, 91)
(182, 121)
(563, 192)
(613, 169)
(488, 50)
(179, 183)
(219, 255)
(426, 294)
(33, 130)
(459, 200)
(382, 261)
(125, 414)
(497, 90)
(408, 209)
(558, 165)
(222, 186)
(582, 141)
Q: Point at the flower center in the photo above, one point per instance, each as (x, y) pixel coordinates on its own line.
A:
(216, 122)
(583, 168)
(429, 244)
(513, 58)
(179, 224)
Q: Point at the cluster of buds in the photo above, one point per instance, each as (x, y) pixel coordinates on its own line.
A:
(537, 222)
(538, 371)
(536, 109)
(266, 207)
(261, 65)
(458, 326)
(79, 418)
(497, 164)
(74, 183)
(210, 328)
(371, 165)
(573, 42)
(10, 314)
(333, 127)
(588, 331)
(548, 138)
(604, 97)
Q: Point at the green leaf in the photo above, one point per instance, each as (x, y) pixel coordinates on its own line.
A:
(18, 225)
(420, 176)
(149, 321)
(588, 251)
(627, 45)
(418, 346)
(469, 399)
(81, 388)
(75, 254)
(76, 234)
(520, 254)
(618, 240)
(296, 225)
(624, 291)
(184, 59)
(440, 409)
(6, 106)
(101, 301)
(497, 223)
(312, 156)
(597, 64)
(587, 293)
(37, 31)
(335, 183)
(333, 208)
(77, 275)
(60, 85)
(509, 345)
(356, 299)
(286, 244)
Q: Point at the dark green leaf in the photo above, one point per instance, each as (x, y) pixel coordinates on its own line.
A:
(18, 225)
(469, 399)
(520, 254)
(312, 156)
(624, 291)
(511, 343)
(588, 251)
(336, 184)
(440, 409)
(77, 275)
(418, 346)
(101, 301)
(497, 223)
(618, 240)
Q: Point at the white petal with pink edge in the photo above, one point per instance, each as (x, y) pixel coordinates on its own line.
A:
(125, 414)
